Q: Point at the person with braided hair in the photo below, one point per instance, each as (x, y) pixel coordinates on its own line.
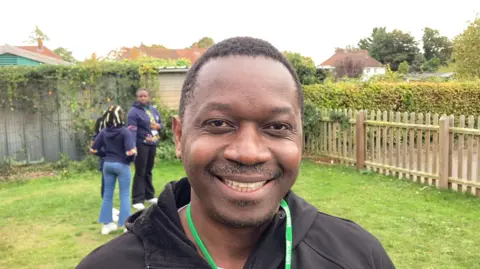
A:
(120, 151)
(99, 126)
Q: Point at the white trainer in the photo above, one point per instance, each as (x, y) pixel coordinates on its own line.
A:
(138, 206)
(115, 212)
(108, 228)
(153, 201)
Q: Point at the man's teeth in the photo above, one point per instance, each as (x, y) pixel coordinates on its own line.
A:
(244, 187)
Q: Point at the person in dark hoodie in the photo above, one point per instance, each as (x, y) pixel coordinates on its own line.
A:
(119, 153)
(144, 122)
(99, 125)
(239, 136)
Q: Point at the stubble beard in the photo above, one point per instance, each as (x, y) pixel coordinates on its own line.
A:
(239, 223)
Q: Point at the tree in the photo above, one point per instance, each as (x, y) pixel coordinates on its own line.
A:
(390, 47)
(37, 37)
(403, 68)
(117, 54)
(466, 51)
(431, 65)
(65, 54)
(417, 64)
(436, 46)
(204, 43)
(92, 60)
(349, 67)
(304, 66)
(157, 46)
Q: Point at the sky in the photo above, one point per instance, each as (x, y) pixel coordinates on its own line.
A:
(312, 28)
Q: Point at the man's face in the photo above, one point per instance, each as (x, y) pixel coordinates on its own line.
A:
(142, 97)
(241, 139)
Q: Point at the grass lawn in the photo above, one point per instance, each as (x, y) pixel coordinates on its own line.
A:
(51, 222)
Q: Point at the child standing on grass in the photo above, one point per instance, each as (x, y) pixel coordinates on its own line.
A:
(119, 153)
(99, 125)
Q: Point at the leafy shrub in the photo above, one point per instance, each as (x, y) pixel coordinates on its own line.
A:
(455, 97)
(166, 146)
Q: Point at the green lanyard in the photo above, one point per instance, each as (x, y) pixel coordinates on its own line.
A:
(288, 237)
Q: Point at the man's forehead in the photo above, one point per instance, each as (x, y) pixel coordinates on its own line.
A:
(241, 73)
(239, 83)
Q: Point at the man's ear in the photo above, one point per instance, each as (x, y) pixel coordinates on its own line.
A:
(177, 135)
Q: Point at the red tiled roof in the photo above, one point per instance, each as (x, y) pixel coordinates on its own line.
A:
(360, 55)
(191, 54)
(44, 51)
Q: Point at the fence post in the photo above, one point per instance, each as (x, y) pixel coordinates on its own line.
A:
(444, 137)
(360, 140)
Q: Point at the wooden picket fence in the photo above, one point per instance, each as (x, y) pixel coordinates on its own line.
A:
(438, 150)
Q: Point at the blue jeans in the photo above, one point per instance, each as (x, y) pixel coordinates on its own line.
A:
(111, 172)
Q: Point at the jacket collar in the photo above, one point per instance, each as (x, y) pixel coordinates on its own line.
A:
(160, 228)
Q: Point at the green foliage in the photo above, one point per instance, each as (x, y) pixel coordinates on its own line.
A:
(311, 116)
(436, 46)
(455, 97)
(431, 65)
(304, 66)
(7, 169)
(390, 47)
(82, 90)
(37, 36)
(157, 46)
(417, 64)
(340, 118)
(403, 68)
(166, 146)
(166, 151)
(389, 76)
(205, 43)
(65, 54)
(466, 51)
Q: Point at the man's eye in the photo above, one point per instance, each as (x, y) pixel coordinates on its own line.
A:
(278, 127)
(218, 123)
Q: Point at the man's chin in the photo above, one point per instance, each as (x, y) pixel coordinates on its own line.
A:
(242, 221)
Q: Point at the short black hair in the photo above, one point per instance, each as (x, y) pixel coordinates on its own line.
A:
(235, 46)
(141, 90)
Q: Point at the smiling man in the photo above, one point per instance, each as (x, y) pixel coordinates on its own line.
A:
(239, 135)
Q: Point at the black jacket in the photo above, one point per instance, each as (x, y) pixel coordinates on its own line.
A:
(156, 240)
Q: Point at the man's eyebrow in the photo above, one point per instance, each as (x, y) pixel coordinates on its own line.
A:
(217, 106)
(223, 107)
(281, 110)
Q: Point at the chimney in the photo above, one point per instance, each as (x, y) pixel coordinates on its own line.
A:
(39, 44)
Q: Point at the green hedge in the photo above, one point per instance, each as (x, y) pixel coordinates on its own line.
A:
(457, 98)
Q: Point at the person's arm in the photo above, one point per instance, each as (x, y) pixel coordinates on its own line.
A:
(159, 119)
(132, 123)
(130, 149)
(97, 144)
(129, 144)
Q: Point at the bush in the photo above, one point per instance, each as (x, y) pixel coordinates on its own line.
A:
(166, 146)
(456, 97)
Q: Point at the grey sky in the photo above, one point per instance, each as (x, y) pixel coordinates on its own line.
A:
(313, 28)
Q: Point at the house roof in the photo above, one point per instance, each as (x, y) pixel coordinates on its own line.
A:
(44, 51)
(31, 55)
(191, 54)
(360, 55)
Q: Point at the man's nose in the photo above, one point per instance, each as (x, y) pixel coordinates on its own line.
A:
(248, 147)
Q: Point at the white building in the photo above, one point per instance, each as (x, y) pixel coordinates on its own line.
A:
(371, 67)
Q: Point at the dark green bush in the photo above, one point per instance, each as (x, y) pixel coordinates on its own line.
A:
(456, 97)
